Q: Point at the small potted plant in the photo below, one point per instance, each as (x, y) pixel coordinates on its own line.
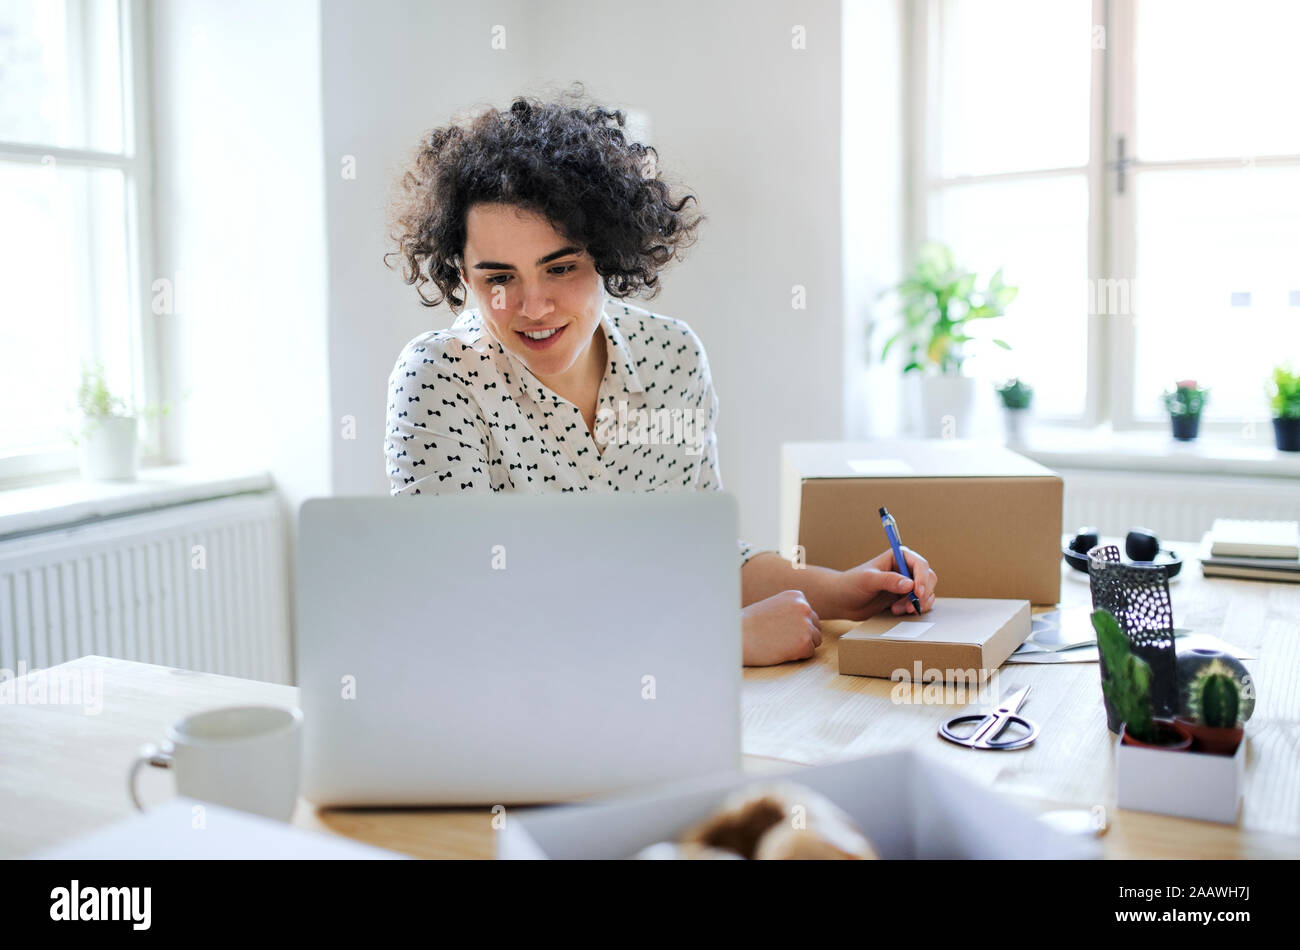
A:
(1215, 717)
(1184, 403)
(1159, 766)
(1284, 400)
(1016, 399)
(1126, 686)
(937, 302)
(1195, 663)
(108, 436)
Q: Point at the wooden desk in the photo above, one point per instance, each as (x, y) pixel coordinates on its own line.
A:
(63, 772)
(810, 714)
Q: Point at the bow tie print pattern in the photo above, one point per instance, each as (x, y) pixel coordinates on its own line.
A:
(486, 429)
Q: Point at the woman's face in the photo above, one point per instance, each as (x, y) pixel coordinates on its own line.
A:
(527, 278)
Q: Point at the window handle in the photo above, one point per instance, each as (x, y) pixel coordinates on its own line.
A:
(1121, 164)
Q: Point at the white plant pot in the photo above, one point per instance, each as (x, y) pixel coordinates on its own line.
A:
(1187, 784)
(1015, 422)
(947, 406)
(109, 451)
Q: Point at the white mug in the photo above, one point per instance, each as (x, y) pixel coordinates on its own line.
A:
(244, 757)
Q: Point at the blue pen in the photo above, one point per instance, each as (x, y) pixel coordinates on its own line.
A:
(895, 542)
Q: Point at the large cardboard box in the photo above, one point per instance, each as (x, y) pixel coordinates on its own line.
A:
(988, 520)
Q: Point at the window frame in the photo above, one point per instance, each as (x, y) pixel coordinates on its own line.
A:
(136, 164)
(921, 133)
(1122, 234)
(1111, 239)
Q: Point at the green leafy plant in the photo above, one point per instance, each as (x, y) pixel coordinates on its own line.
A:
(96, 402)
(1215, 700)
(936, 302)
(1128, 678)
(1284, 393)
(94, 398)
(1016, 394)
(1185, 399)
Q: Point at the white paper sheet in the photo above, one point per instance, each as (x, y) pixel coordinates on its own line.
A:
(1192, 641)
(175, 830)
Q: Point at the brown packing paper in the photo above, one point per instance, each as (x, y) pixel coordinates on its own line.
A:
(962, 638)
(989, 521)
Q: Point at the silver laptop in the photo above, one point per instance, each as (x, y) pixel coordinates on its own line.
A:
(514, 648)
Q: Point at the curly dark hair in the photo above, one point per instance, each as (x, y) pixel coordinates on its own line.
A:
(560, 159)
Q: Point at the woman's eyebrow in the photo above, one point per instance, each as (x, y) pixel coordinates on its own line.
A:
(496, 265)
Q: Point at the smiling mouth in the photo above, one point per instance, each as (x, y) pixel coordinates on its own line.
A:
(541, 339)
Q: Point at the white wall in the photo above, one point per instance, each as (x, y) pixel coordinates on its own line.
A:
(392, 71)
(749, 124)
(239, 230)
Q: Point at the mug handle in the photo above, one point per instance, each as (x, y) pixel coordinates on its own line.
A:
(149, 755)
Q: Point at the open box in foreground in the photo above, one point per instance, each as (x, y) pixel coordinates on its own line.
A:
(907, 805)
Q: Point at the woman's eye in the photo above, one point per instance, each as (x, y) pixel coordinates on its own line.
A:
(558, 271)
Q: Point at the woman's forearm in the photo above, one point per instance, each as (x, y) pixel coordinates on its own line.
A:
(767, 573)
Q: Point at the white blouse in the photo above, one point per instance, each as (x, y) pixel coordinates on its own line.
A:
(465, 414)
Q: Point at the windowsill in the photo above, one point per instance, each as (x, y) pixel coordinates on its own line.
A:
(1153, 451)
(69, 501)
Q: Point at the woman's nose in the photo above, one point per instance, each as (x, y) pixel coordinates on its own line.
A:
(536, 303)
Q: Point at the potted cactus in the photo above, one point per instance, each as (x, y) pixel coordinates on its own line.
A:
(1126, 686)
(1016, 399)
(1214, 715)
(1184, 404)
(1284, 400)
(1193, 783)
(1196, 662)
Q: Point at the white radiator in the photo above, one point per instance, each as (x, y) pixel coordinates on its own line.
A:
(1175, 507)
(199, 586)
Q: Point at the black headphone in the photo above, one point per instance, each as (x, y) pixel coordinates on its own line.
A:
(1141, 546)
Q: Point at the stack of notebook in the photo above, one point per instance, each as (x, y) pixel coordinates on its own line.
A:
(1261, 550)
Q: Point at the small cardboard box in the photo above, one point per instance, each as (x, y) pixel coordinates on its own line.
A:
(1186, 784)
(907, 805)
(955, 636)
(989, 521)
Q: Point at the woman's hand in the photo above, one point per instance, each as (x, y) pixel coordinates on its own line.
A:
(866, 590)
(779, 629)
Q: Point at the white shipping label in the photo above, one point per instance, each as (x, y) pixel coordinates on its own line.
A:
(907, 630)
(880, 467)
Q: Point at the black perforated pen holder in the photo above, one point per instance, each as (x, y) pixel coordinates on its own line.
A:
(1138, 597)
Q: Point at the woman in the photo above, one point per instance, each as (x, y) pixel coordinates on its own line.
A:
(544, 213)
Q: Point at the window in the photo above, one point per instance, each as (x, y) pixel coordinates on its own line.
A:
(1134, 167)
(73, 182)
(1209, 222)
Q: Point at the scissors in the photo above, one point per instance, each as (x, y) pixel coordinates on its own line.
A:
(989, 726)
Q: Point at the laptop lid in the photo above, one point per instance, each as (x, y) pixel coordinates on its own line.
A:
(516, 648)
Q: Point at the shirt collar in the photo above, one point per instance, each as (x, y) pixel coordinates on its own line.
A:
(471, 331)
